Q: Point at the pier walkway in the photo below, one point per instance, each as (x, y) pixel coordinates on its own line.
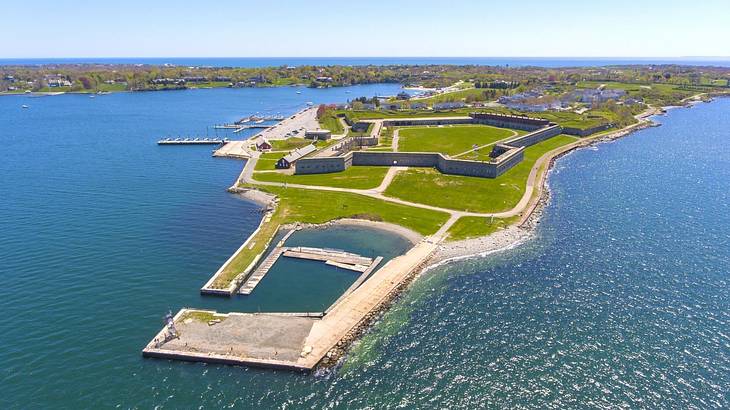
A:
(327, 255)
(261, 271)
(265, 265)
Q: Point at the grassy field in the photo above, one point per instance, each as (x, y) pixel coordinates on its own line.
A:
(474, 226)
(267, 161)
(386, 138)
(353, 177)
(428, 186)
(449, 140)
(478, 94)
(330, 122)
(302, 205)
(289, 144)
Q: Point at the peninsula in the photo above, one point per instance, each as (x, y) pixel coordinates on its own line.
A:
(456, 176)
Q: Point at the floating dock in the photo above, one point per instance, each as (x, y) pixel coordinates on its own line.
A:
(328, 255)
(265, 266)
(332, 257)
(261, 271)
(192, 141)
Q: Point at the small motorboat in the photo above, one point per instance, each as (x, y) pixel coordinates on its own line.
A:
(24, 106)
(299, 92)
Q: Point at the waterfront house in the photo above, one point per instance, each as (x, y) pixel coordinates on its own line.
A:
(263, 145)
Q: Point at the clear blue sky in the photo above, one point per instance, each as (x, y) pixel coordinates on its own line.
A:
(253, 28)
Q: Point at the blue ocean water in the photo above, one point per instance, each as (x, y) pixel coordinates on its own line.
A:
(355, 61)
(621, 300)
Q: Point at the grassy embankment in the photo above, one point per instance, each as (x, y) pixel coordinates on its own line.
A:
(450, 140)
(289, 144)
(471, 193)
(329, 121)
(385, 142)
(306, 206)
(267, 161)
(471, 94)
(353, 177)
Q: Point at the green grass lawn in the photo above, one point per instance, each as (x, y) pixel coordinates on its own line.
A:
(289, 144)
(330, 122)
(308, 206)
(428, 186)
(353, 177)
(478, 94)
(475, 226)
(449, 140)
(267, 161)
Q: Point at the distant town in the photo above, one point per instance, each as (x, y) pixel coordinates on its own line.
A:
(520, 88)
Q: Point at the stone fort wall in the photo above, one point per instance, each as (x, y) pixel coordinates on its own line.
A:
(511, 154)
(412, 159)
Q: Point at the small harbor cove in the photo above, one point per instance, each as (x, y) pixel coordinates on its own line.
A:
(124, 231)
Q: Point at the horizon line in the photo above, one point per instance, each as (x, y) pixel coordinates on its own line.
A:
(383, 56)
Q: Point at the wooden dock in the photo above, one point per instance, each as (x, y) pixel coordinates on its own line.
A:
(265, 265)
(261, 271)
(325, 255)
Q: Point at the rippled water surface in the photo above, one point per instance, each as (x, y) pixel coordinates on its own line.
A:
(621, 300)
